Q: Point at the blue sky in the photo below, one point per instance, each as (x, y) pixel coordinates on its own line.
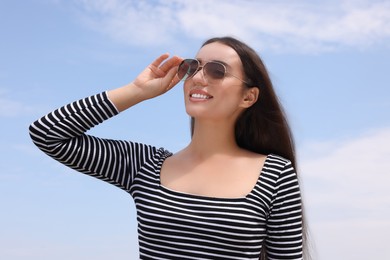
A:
(329, 61)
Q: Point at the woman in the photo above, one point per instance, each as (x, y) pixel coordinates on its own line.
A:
(232, 193)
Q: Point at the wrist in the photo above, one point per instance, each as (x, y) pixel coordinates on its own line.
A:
(126, 96)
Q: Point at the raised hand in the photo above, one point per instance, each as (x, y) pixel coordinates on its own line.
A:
(159, 76)
(154, 80)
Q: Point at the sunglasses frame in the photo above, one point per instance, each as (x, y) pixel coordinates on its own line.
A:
(199, 68)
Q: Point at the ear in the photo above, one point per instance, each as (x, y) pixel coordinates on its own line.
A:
(250, 97)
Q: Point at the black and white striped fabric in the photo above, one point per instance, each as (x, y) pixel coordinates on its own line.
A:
(171, 224)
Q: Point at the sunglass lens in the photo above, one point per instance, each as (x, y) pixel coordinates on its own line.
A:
(214, 70)
(187, 68)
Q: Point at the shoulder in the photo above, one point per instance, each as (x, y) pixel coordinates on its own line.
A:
(154, 151)
(278, 160)
(141, 151)
(277, 163)
(279, 169)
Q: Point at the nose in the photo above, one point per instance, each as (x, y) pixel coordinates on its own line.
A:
(199, 75)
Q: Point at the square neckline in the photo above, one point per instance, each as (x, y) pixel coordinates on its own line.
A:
(205, 197)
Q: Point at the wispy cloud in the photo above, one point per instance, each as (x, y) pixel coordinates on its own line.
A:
(354, 239)
(353, 175)
(346, 187)
(278, 25)
(14, 103)
(13, 108)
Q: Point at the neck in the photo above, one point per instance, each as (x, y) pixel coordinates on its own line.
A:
(213, 138)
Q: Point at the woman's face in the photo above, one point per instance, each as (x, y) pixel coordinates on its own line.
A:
(223, 99)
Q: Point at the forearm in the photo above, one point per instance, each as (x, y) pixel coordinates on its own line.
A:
(70, 121)
(126, 96)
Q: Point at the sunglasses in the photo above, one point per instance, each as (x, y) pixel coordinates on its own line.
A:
(212, 70)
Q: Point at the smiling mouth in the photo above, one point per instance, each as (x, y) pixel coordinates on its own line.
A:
(200, 96)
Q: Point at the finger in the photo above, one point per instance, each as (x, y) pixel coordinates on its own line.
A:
(157, 62)
(155, 65)
(170, 63)
(171, 79)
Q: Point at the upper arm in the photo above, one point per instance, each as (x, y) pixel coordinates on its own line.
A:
(61, 135)
(284, 226)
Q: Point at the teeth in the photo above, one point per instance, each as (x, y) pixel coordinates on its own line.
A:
(200, 96)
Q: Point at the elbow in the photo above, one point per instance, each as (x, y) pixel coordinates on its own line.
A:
(37, 135)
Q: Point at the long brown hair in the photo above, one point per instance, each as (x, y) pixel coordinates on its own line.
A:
(263, 127)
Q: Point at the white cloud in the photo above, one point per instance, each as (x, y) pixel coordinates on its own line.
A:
(132, 22)
(277, 25)
(346, 187)
(351, 175)
(357, 240)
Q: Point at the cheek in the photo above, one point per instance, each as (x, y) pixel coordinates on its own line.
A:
(229, 100)
(185, 92)
(186, 87)
(232, 94)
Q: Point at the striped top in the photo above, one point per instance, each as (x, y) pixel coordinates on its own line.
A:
(172, 224)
